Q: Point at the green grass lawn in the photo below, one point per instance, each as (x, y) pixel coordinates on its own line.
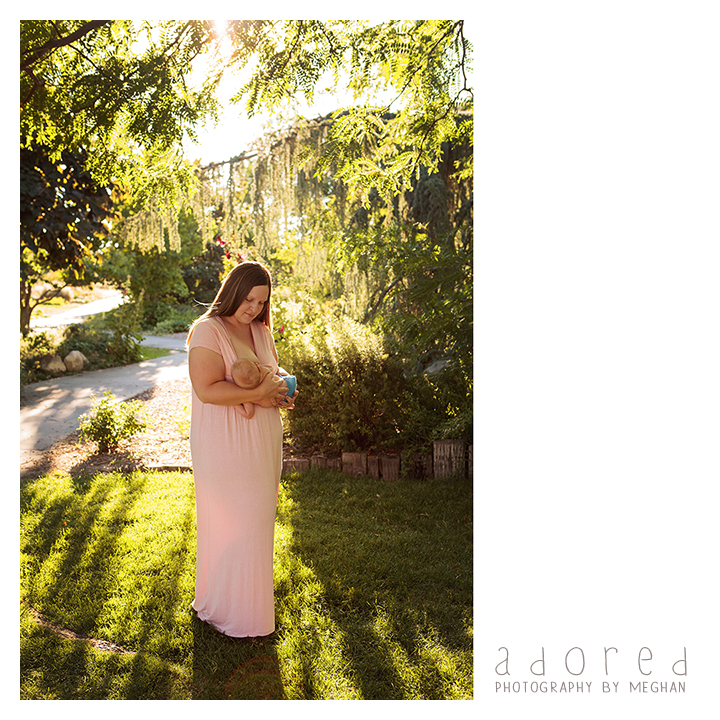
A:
(373, 592)
(148, 353)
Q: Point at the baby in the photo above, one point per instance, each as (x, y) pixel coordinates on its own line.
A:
(248, 375)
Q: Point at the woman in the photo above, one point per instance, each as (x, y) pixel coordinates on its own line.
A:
(236, 461)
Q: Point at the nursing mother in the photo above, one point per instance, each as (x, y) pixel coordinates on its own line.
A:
(236, 461)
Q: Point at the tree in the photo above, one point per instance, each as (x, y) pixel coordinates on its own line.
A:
(64, 213)
(388, 183)
(119, 92)
(423, 66)
(403, 163)
(159, 281)
(125, 94)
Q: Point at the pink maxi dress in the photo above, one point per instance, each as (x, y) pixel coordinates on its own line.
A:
(236, 465)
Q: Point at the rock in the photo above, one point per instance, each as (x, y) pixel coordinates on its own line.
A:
(75, 361)
(437, 366)
(52, 364)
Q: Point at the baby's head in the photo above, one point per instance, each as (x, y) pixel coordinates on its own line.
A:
(246, 374)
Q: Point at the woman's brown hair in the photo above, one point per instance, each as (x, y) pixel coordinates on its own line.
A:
(234, 290)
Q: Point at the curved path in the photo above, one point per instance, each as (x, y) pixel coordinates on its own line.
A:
(78, 313)
(50, 409)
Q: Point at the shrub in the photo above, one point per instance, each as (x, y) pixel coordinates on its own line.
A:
(109, 341)
(124, 324)
(32, 348)
(354, 395)
(179, 318)
(453, 389)
(109, 422)
(38, 343)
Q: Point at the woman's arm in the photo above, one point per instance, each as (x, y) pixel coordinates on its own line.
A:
(207, 375)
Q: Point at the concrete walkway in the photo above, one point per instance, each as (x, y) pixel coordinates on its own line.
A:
(50, 409)
(77, 314)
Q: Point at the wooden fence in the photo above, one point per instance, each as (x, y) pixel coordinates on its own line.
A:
(449, 460)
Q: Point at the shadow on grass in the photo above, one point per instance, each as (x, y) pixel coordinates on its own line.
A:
(106, 557)
(73, 558)
(112, 557)
(226, 668)
(373, 592)
(53, 667)
(387, 570)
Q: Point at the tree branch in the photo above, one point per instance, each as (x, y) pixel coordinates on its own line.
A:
(176, 41)
(49, 295)
(462, 59)
(289, 54)
(237, 158)
(46, 48)
(371, 311)
(59, 42)
(428, 54)
(35, 86)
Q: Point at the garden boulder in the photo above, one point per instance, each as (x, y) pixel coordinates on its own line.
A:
(75, 361)
(52, 364)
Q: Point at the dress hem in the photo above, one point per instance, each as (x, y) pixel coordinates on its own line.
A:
(227, 634)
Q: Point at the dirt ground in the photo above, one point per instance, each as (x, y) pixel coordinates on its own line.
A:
(165, 445)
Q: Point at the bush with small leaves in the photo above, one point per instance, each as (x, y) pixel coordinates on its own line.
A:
(110, 421)
(354, 395)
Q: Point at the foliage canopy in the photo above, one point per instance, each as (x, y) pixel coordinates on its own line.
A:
(126, 91)
(117, 91)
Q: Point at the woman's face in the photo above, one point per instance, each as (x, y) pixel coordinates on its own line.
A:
(253, 304)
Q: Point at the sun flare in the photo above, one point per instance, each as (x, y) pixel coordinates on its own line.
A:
(223, 43)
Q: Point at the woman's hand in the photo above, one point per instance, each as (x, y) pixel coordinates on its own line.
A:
(271, 389)
(286, 403)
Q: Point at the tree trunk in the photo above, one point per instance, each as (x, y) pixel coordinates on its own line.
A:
(26, 307)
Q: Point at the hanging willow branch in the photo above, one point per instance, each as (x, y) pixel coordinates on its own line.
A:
(147, 229)
(264, 193)
(276, 202)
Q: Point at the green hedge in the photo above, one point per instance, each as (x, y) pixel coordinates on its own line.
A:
(355, 395)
